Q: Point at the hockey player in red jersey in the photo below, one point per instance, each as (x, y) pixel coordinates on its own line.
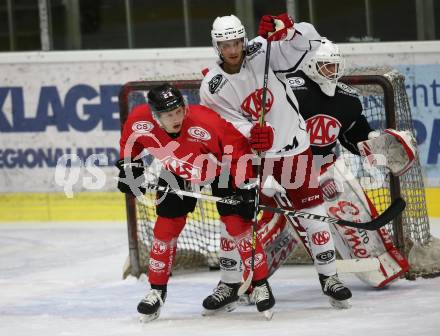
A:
(233, 88)
(191, 142)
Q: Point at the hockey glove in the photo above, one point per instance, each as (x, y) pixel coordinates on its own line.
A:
(246, 208)
(276, 28)
(131, 176)
(261, 137)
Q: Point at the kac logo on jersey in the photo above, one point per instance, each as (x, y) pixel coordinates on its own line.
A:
(320, 237)
(295, 82)
(182, 168)
(199, 133)
(142, 127)
(214, 83)
(252, 104)
(323, 130)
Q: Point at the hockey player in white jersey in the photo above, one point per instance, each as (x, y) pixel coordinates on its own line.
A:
(233, 88)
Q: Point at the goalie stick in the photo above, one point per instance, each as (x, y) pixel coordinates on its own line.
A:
(387, 216)
(287, 241)
(396, 207)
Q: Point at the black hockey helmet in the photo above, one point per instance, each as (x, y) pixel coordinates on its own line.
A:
(164, 98)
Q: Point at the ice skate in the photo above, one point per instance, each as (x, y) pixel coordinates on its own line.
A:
(339, 295)
(264, 299)
(150, 306)
(224, 298)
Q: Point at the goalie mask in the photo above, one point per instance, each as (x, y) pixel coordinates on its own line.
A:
(164, 98)
(325, 66)
(227, 28)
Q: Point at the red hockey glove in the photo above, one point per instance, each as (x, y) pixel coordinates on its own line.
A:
(261, 137)
(276, 28)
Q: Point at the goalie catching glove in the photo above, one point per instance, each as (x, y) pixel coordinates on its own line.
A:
(131, 176)
(276, 28)
(397, 147)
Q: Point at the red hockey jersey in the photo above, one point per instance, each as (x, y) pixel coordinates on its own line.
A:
(205, 144)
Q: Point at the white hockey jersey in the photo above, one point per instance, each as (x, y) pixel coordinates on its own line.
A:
(238, 97)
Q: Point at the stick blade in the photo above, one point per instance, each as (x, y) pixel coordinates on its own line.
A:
(387, 216)
(245, 285)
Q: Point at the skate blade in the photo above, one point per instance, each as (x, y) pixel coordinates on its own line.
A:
(227, 308)
(344, 304)
(268, 314)
(148, 318)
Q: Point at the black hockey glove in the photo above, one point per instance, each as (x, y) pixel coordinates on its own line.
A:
(131, 176)
(246, 208)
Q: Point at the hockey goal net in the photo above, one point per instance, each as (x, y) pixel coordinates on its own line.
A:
(385, 104)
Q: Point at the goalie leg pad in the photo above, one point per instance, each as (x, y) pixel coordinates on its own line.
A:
(347, 200)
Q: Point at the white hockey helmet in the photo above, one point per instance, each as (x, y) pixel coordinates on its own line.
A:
(325, 65)
(226, 28)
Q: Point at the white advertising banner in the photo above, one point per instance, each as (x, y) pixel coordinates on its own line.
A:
(58, 103)
(52, 104)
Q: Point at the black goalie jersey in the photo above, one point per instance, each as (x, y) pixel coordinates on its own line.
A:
(329, 118)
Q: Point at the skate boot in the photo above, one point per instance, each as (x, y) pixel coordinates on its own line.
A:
(263, 297)
(149, 307)
(339, 295)
(224, 298)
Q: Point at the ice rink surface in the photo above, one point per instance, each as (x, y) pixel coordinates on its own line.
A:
(65, 279)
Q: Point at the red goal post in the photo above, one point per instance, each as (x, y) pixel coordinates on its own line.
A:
(385, 104)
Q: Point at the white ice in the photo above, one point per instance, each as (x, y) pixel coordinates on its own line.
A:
(65, 279)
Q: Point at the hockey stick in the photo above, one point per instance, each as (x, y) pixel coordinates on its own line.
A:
(387, 216)
(231, 200)
(245, 285)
